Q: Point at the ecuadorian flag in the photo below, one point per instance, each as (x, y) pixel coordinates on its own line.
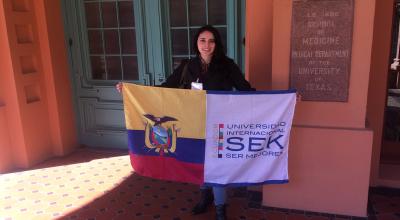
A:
(166, 132)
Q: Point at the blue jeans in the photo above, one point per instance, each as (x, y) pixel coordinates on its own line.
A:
(219, 194)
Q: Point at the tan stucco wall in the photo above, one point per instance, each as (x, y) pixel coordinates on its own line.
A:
(57, 77)
(35, 95)
(330, 144)
(5, 62)
(328, 172)
(378, 79)
(349, 114)
(258, 50)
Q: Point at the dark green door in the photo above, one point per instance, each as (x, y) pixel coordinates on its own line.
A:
(138, 41)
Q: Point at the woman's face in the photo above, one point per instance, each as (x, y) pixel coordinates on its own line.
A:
(206, 44)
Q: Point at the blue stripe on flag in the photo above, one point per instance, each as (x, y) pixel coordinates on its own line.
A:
(251, 92)
(187, 149)
(247, 184)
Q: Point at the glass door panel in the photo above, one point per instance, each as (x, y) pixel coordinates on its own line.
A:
(111, 34)
(186, 17)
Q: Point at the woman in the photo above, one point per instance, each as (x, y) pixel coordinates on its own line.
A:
(211, 69)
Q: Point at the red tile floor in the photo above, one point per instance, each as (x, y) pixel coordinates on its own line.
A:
(100, 184)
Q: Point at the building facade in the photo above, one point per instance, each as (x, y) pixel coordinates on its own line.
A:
(61, 59)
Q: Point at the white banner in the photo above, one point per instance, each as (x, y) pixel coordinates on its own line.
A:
(247, 137)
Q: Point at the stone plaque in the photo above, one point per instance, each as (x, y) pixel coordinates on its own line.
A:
(320, 57)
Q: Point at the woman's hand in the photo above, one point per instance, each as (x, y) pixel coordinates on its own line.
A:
(119, 87)
(298, 97)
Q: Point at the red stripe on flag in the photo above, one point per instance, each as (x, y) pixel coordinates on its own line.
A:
(167, 168)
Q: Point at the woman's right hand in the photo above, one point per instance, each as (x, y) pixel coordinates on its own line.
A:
(119, 87)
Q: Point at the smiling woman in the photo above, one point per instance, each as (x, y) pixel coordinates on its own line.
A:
(206, 46)
(211, 69)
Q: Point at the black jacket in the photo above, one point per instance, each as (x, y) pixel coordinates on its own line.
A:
(224, 75)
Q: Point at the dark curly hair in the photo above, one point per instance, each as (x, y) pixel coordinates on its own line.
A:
(219, 53)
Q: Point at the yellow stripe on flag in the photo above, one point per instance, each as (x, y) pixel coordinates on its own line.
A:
(188, 107)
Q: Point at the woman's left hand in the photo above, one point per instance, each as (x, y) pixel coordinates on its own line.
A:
(298, 97)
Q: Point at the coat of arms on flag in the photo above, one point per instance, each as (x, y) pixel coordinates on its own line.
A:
(209, 137)
(158, 135)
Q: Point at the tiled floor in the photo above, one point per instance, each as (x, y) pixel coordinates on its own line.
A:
(100, 184)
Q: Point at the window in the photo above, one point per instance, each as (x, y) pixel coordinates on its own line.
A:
(111, 36)
(186, 17)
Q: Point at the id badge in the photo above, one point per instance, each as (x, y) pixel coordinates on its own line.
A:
(197, 86)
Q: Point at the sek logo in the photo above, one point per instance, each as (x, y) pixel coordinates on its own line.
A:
(255, 144)
(249, 141)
